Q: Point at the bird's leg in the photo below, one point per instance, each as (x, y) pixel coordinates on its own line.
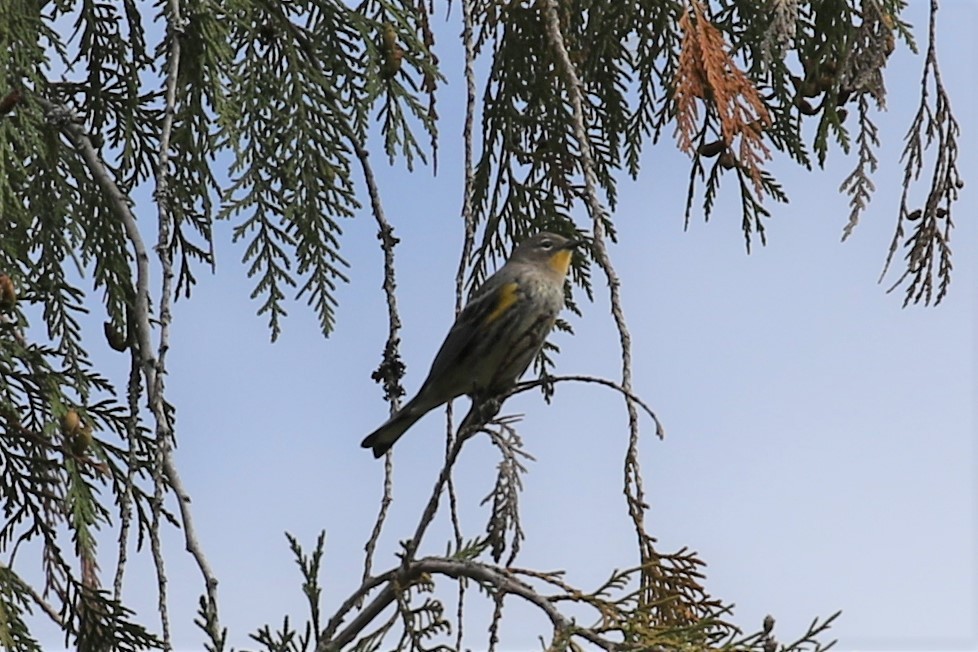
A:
(483, 409)
(488, 408)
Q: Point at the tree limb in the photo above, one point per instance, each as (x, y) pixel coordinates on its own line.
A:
(121, 205)
(494, 578)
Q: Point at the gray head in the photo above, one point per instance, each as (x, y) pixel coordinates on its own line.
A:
(551, 249)
(542, 246)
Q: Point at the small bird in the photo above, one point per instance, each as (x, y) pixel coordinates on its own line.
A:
(495, 337)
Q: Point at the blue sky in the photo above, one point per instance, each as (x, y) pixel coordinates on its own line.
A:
(820, 450)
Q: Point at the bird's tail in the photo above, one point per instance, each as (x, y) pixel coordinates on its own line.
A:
(384, 437)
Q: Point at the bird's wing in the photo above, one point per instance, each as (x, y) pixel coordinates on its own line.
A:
(488, 304)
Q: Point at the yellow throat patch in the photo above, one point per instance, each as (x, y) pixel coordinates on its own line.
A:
(560, 261)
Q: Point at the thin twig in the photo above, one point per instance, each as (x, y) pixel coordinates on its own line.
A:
(351, 602)
(452, 497)
(156, 549)
(164, 427)
(468, 243)
(429, 511)
(213, 627)
(125, 503)
(456, 520)
(497, 618)
(633, 478)
(388, 241)
(468, 216)
(363, 618)
(385, 503)
(531, 384)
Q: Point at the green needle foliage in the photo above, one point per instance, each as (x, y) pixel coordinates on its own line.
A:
(263, 114)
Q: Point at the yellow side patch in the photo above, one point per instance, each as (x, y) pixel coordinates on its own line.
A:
(508, 295)
(560, 261)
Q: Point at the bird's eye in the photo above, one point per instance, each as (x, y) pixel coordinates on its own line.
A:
(546, 244)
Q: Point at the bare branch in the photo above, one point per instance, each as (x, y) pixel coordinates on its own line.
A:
(155, 386)
(496, 579)
(385, 502)
(531, 384)
(469, 223)
(633, 478)
(429, 511)
(392, 381)
(468, 217)
(364, 617)
(366, 587)
(156, 549)
(134, 391)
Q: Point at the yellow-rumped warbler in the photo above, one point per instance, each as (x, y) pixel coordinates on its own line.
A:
(495, 337)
